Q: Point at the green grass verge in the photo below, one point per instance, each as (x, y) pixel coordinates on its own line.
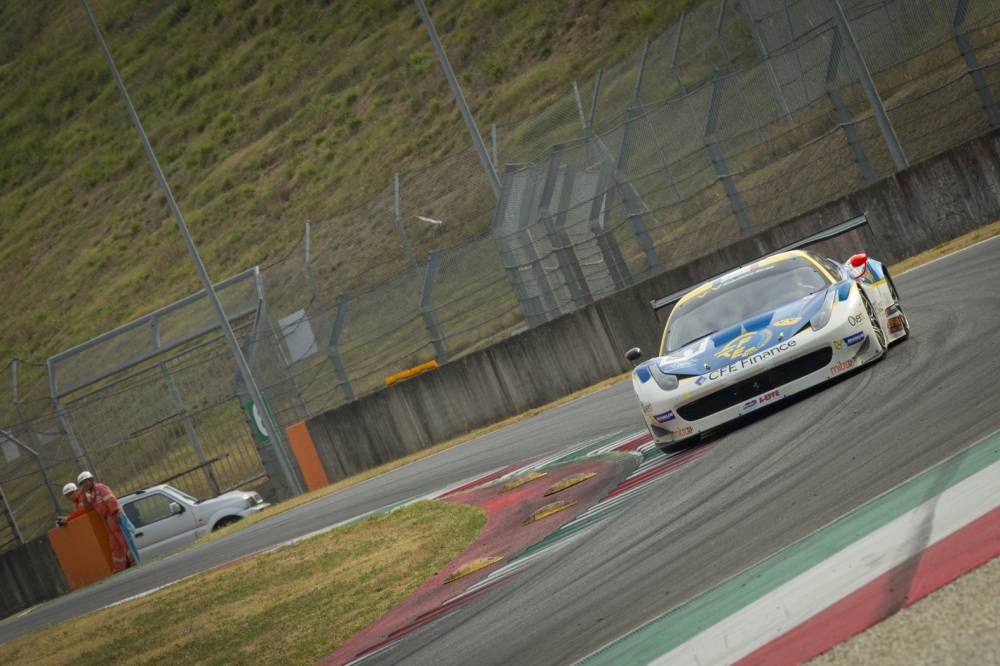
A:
(291, 606)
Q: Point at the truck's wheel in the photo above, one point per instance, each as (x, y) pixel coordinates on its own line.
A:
(226, 522)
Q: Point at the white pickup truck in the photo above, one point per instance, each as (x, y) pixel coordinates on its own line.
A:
(166, 518)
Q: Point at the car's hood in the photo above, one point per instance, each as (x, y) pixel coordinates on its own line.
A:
(233, 497)
(742, 339)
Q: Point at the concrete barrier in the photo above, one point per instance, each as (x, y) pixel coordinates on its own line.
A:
(928, 204)
(29, 574)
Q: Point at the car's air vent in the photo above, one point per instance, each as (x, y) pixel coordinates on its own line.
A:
(757, 384)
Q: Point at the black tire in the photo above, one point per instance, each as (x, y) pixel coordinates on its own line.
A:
(880, 339)
(899, 307)
(226, 522)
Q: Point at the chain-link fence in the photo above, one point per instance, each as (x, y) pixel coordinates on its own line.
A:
(739, 116)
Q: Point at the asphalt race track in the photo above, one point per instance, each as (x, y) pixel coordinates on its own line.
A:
(757, 489)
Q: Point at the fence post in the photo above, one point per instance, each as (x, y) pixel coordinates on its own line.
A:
(546, 296)
(407, 248)
(26, 425)
(182, 411)
(868, 84)
(8, 513)
(580, 289)
(630, 198)
(642, 69)
(579, 106)
(719, 161)
(972, 64)
(38, 462)
(593, 98)
(335, 323)
(600, 212)
(334, 347)
(427, 309)
(844, 114)
(493, 140)
(772, 78)
(532, 316)
(456, 91)
(673, 53)
(568, 266)
(736, 75)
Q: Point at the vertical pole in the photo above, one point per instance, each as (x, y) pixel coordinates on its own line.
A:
(765, 59)
(642, 70)
(335, 323)
(600, 207)
(674, 51)
(515, 271)
(38, 463)
(579, 106)
(427, 309)
(844, 114)
(80, 453)
(9, 515)
(719, 162)
(732, 70)
(858, 64)
(456, 91)
(493, 140)
(593, 98)
(334, 347)
(407, 248)
(792, 39)
(630, 198)
(972, 64)
(569, 263)
(291, 478)
(182, 411)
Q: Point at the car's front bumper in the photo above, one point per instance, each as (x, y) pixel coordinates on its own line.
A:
(724, 395)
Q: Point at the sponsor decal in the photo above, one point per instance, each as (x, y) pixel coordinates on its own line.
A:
(701, 380)
(664, 417)
(838, 344)
(843, 366)
(854, 339)
(682, 432)
(745, 345)
(790, 321)
(895, 324)
(750, 361)
(760, 401)
(646, 409)
(856, 319)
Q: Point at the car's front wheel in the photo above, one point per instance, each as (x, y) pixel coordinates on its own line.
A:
(880, 338)
(226, 522)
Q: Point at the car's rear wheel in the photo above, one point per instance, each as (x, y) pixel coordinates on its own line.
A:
(880, 338)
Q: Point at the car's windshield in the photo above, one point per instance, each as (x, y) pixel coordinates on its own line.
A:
(740, 297)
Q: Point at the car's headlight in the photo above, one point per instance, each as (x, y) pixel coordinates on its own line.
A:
(822, 317)
(663, 380)
(253, 499)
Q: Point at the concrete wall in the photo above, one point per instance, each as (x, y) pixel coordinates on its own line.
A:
(29, 574)
(924, 206)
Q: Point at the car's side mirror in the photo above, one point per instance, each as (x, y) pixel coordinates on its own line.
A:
(633, 354)
(175, 508)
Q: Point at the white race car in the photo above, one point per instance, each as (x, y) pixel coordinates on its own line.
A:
(761, 333)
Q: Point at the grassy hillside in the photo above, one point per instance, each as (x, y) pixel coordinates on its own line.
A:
(264, 114)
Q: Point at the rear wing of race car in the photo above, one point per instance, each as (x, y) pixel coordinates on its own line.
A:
(660, 304)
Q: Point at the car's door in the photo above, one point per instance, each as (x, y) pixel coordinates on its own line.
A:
(157, 529)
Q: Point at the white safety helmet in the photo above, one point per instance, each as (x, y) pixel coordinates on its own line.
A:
(84, 476)
(69, 488)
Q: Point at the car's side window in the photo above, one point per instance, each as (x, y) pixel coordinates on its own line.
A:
(148, 509)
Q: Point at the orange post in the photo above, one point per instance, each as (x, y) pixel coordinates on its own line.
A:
(82, 549)
(305, 453)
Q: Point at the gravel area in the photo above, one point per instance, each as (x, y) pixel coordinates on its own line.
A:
(958, 624)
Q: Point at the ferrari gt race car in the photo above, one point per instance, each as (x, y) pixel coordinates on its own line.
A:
(763, 332)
